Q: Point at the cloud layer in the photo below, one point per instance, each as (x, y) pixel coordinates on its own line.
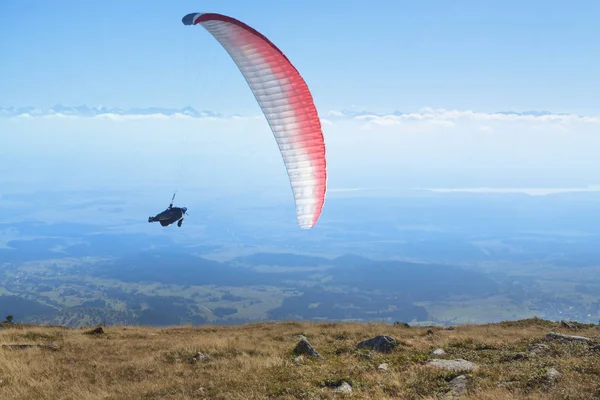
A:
(441, 116)
(102, 111)
(429, 148)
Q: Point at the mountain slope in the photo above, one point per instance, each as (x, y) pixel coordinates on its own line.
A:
(514, 360)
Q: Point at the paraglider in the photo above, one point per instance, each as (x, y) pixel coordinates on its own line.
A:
(170, 215)
(287, 104)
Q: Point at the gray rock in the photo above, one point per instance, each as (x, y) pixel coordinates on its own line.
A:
(458, 387)
(381, 343)
(96, 331)
(364, 355)
(439, 352)
(383, 367)
(305, 348)
(200, 357)
(565, 324)
(538, 348)
(596, 347)
(560, 336)
(453, 365)
(343, 388)
(552, 375)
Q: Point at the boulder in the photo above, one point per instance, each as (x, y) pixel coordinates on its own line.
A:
(305, 348)
(381, 344)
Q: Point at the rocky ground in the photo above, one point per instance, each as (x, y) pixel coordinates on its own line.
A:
(528, 359)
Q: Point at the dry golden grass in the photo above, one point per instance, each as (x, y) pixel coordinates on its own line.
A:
(256, 361)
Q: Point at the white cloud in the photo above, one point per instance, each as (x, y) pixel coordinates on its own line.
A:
(428, 148)
(428, 114)
(441, 117)
(120, 117)
(528, 191)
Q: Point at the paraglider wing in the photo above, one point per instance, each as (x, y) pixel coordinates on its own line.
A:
(286, 103)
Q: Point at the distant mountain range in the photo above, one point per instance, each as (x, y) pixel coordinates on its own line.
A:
(86, 111)
(362, 113)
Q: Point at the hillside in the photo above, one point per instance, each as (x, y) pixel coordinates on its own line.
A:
(509, 360)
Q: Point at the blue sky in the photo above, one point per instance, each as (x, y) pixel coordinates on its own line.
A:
(376, 55)
(451, 66)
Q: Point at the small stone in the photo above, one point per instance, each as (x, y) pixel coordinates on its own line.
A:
(200, 357)
(383, 367)
(430, 331)
(439, 352)
(299, 359)
(552, 375)
(458, 387)
(364, 355)
(538, 348)
(343, 388)
(453, 365)
(401, 324)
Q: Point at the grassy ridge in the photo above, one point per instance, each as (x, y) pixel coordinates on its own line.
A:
(256, 361)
